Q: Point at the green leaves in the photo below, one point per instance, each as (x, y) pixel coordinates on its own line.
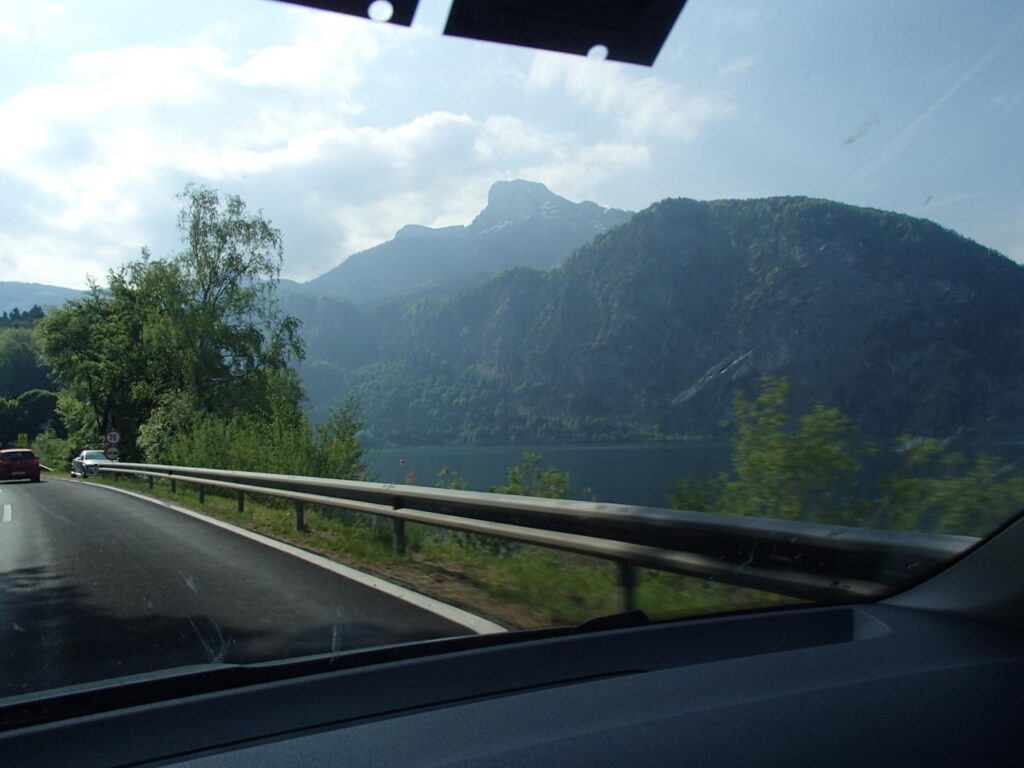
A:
(802, 473)
(946, 492)
(813, 470)
(21, 366)
(30, 412)
(201, 327)
(530, 479)
(279, 439)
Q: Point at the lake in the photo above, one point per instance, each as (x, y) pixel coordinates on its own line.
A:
(632, 473)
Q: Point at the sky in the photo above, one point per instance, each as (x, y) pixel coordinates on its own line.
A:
(342, 130)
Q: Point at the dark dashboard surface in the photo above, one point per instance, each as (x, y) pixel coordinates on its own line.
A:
(855, 685)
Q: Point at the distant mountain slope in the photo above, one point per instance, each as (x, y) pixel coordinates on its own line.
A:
(523, 225)
(25, 295)
(652, 328)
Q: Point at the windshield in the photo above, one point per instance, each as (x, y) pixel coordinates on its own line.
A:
(739, 330)
(16, 456)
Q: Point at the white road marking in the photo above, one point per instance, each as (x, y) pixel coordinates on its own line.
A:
(466, 619)
(7, 513)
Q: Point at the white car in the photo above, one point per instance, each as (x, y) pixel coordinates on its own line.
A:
(84, 464)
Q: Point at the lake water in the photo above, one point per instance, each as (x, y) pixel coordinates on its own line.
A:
(637, 473)
(630, 474)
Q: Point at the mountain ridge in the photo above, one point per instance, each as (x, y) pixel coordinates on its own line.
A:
(649, 329)
(22, 295)
(523, 224)
(652, 327)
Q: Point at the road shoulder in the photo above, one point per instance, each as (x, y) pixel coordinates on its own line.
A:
(446, 611)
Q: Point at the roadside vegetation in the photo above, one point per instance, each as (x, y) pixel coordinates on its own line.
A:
(810, 467)
(191, 358)
(28, 399)
(519, 586)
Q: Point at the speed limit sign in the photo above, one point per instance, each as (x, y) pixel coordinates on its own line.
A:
(113, 437)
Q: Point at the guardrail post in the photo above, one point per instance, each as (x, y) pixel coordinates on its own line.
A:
(300, 516)
(202, 494)
(240, 496)
(627, 583)
(174, 485)
(149, 481)
(399, 525)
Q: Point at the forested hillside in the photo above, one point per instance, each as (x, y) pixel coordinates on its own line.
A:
(27, 402)
(650, 330)
(14, 295)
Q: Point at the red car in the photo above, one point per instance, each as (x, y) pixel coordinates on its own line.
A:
(19, 464)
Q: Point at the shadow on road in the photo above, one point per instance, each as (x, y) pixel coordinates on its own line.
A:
(51, 636)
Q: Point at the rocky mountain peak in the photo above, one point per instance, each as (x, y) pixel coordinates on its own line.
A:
(509, 201)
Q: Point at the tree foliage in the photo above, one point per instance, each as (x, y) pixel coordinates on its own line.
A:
(21, 366)
(202, 326)
(29, 413)
(947, 492)
(278, 438)
(531, 479)
(810, 468)
(18, 319)
(801, 473)
(94, 346)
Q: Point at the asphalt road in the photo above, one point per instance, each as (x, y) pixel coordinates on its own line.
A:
(96, 584)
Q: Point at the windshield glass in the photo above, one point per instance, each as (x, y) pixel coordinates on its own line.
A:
(738, 330)
(16, 456)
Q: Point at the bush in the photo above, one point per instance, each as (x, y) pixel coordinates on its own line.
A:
(54, 452)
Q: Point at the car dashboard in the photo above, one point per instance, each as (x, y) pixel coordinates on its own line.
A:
(848, 685)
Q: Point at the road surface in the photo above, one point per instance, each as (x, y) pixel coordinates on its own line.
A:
(96, 584)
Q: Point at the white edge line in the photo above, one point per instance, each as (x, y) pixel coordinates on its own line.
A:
(469, 620)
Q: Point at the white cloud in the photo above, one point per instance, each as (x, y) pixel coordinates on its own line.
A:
(573, 172)
(92, 160)
(131, 124)
(643, 105)
(20, 20)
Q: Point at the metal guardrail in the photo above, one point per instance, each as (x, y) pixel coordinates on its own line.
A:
(820, 562)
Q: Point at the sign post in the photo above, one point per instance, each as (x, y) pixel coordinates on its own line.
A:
(111, 449)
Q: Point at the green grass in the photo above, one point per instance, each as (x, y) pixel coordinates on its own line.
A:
(517, 585)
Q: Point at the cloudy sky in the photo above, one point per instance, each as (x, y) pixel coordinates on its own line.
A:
(342, 130)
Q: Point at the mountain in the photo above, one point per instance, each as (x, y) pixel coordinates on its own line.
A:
(652, 327)
(26, 295)
(523, 225)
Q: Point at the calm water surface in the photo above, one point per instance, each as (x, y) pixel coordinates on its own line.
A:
(638, 473)
(629, 474)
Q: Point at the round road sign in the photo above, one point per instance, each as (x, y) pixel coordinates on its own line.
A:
(112, 452)
(113, 437)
